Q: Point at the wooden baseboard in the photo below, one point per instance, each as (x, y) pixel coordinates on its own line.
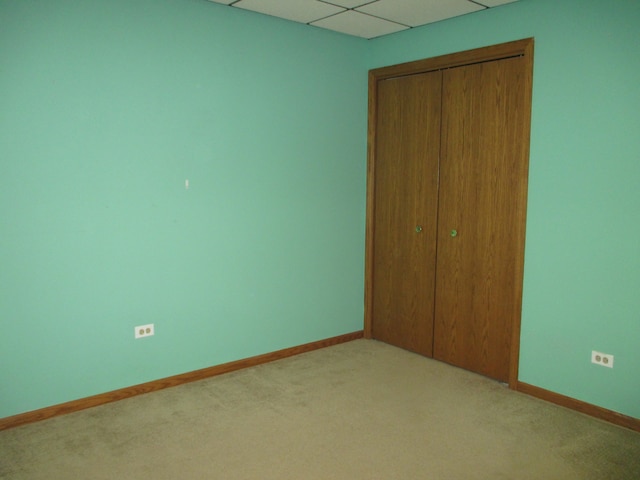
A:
(580, 406)
(103, 398)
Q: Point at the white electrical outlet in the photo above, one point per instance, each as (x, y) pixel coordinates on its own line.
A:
(143, 331)
(603, 359)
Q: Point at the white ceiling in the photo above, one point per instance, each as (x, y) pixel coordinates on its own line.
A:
(365, 18)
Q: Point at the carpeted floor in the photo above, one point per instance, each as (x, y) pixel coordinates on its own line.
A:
(360, 410)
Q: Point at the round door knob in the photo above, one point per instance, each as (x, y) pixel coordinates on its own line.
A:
(418, 228)
(454, 233)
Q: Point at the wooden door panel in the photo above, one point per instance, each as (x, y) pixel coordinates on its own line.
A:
(483, 172)
(406, 194)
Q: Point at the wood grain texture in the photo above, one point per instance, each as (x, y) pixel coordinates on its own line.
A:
(580, 406)
(526, 86)
(518, 47)
(405, 209)
(483, 168)
(108, 397)
(467, 57)
(370, 207)
(521, 49)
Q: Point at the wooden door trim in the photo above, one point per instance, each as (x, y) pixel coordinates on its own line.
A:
(516, 48)
(522, 48)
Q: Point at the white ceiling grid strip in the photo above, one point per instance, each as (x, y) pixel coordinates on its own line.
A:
(355, 23)
(349, 3)
(303, 11)
(419, 12)
(365, 18)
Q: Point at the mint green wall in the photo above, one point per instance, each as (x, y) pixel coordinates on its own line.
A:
(105, 109)
(582, 264)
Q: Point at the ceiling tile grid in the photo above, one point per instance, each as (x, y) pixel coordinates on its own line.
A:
(353, 22)
(303, 11)
(419, 12)
(349, 3)
(365, 18)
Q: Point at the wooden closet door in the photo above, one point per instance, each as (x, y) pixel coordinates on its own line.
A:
(483, 179)
(406, 191)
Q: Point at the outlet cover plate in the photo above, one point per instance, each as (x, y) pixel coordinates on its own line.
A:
(604, 359)
(143, 331)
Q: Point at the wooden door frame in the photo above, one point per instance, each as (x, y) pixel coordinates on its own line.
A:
(516, 48)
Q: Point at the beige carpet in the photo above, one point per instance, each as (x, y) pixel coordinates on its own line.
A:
(360, 410)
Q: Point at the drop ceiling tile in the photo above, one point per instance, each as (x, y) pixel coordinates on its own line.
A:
(419, 12)
(359, 24)
(303, 11)
(495, 3)
(351, 3)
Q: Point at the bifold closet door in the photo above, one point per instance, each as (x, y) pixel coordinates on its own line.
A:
(406, 195)
(481, 219)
